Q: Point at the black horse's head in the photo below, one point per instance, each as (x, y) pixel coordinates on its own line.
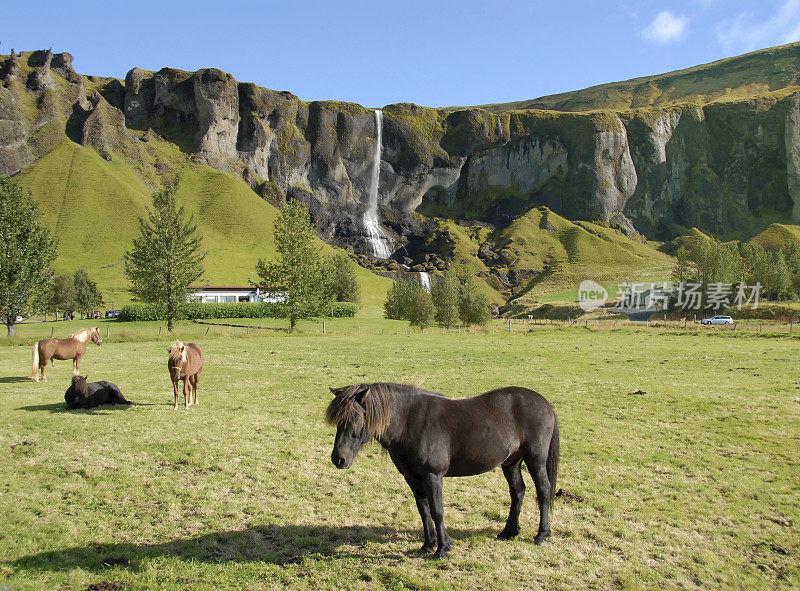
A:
(360, 412)
(76, 395)
(349, 441)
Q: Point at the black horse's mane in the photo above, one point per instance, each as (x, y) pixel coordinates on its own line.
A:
(367, 405)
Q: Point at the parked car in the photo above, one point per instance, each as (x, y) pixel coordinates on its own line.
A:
(112, 313)
(718, 320)
(96, 314)
(19, 319)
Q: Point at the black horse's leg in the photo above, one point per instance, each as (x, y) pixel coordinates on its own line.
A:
(428, 526)
(516, 486)
(433, 490)
(536, 466)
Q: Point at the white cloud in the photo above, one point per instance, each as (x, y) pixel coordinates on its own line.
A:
(746, 32)
(666, 28)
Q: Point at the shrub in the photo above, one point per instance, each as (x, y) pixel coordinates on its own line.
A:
(341, 310)
(142, 312)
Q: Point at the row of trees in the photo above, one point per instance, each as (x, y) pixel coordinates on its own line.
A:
(454, 300)
(706, 261)
(63, 295)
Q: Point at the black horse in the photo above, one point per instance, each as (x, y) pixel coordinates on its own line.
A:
(429, 436)
(83, 394)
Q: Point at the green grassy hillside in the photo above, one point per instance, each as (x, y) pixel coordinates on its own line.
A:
(568, 252)
(92, 206)
(776, 236)
(767, 72)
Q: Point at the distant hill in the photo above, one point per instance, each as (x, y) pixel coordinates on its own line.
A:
(773, 72)
(776, 236)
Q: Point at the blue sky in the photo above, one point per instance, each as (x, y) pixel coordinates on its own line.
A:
(435, 53)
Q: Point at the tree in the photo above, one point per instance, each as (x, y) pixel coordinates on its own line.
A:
(791, 252)
(473, 306)
(299, 268)
(26, 252)
(165, 259)
(446, 296)
(343, 283)
(408, 300)
(62, 295)
(396, 306)
(682, 265)
(420, 308)
(87, 295)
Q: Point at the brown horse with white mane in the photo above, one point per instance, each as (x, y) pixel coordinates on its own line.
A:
(73, 347)
(185, 363)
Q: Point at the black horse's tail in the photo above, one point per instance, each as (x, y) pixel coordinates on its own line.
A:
(552, 460)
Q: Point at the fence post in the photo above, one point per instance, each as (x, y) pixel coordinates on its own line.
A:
(323, 327)
(509, 325)
(159, 331)
(108, 330)
(52, 328)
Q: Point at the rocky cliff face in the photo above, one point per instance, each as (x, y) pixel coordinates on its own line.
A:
(722, 167)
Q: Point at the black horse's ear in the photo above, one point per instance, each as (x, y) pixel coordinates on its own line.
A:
(362, 394)
(333, 390)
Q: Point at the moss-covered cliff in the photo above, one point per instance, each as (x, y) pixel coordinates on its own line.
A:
(722, 158)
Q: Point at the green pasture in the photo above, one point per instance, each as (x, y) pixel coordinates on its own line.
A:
(680, 463)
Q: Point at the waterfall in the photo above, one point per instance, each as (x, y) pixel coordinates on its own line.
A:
(425, 280)
(377, 238)
(499, 127)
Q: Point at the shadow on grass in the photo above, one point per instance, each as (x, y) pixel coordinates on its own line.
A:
(276, 544)
(14, 380)
(61, 407)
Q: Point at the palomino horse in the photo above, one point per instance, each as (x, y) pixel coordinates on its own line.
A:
(73, 347)
(429, 436)
(185, 363)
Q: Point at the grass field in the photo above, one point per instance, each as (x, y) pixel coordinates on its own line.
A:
(680, 465)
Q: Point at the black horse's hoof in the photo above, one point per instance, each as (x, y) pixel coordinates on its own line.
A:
(441, 553)
(540, 539)
(426, 549)
(507, 534)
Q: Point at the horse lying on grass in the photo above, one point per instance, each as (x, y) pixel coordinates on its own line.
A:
(429, 436)
(82, 394)
(73, 347)
(185, 363)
